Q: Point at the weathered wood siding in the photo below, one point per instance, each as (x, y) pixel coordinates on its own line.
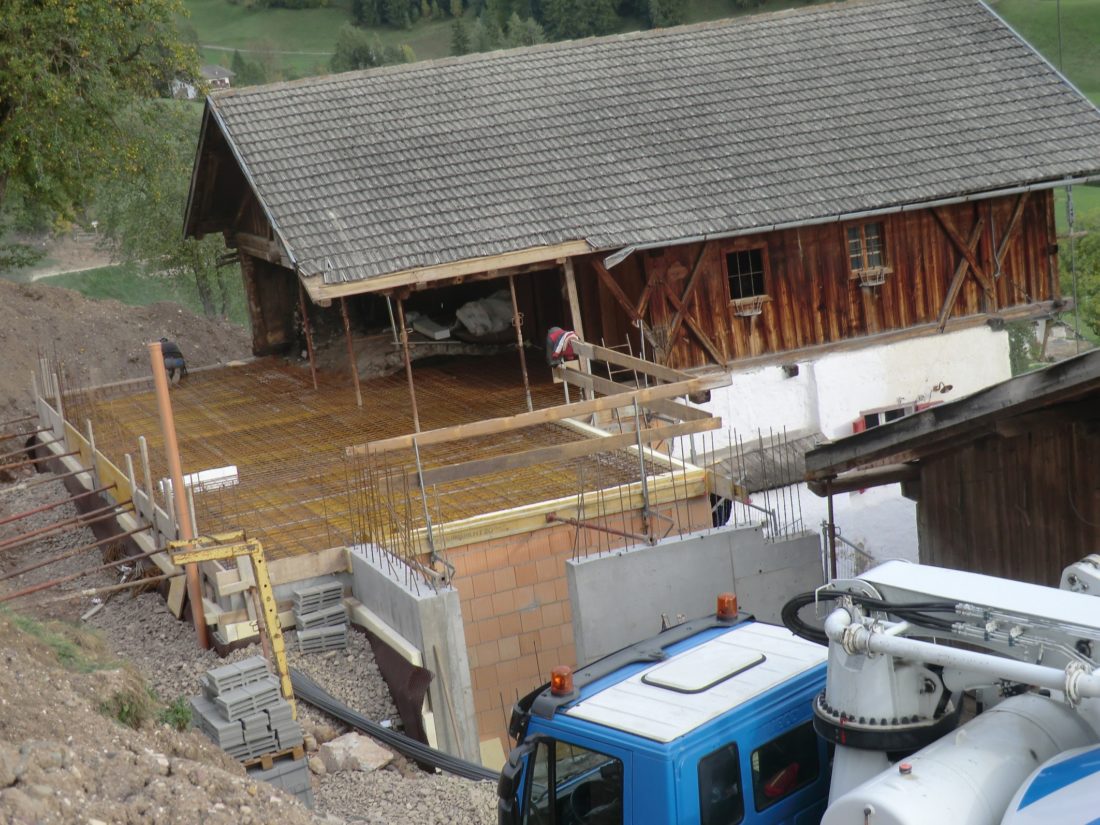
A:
(813, 297)
(1022, 507)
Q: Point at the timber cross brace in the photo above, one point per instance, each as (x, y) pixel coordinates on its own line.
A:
(664, 343)
(968, 249)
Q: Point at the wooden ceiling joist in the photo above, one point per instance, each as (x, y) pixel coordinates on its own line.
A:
(547, 415)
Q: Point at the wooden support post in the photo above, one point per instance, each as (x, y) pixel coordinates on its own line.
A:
(351, 352)
(308, 329)
(517, 322)
(408, 362)
(183, 518)
(575, 308)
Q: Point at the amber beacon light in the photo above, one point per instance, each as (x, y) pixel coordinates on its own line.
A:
(727, 606)
(561, 681)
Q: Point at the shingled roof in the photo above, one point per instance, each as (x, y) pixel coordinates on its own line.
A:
(653, 137)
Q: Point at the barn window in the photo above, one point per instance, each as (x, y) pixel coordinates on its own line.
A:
(865, 247)
(745, 269)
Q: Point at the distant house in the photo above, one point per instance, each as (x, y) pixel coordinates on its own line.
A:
(216, 77)
(840, 205)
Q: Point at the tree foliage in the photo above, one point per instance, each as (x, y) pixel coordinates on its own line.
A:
(664, 13)
(1086, 260)
(568, 19)
(140, 203)
(69, 69)
(247, 72)
(357, 49)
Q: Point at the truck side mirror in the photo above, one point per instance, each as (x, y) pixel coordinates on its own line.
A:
(508, 784)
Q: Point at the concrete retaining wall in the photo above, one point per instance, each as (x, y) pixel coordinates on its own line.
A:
(619, 598)
(432, 621)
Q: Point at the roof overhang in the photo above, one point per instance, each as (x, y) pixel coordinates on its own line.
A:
(1003, 409)
(322, 293)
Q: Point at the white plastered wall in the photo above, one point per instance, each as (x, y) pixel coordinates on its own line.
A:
(829, 393)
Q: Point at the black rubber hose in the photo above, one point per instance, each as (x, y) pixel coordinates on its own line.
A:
(913, 612)
(306, 690)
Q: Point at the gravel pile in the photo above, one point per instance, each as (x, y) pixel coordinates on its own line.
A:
(141, 631)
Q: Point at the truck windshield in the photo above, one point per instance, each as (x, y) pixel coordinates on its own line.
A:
(572, 785)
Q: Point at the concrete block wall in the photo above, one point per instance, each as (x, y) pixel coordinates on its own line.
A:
(619, 597)
(517, 612)
(430, 621)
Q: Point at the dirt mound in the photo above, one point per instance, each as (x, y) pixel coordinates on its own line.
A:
(98, 341)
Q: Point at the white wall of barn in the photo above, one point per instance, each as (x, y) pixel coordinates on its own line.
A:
(829, 393)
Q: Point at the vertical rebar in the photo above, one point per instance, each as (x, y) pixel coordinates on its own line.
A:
(307, 328)
(517, 322)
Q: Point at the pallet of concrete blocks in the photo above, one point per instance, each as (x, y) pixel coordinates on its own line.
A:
(242, 711)
(333, 616)
(318, 639)
(317, 597)
(292, 775)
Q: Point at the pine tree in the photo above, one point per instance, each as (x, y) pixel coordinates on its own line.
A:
(460, 36)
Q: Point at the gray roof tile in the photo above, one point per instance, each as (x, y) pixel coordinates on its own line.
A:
(654, 136)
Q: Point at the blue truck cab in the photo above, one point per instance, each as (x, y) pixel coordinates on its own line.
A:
(709, 723)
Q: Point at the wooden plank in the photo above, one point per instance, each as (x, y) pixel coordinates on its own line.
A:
(306, 566)
(319, 291)
(672, 409)
(616, 291)
(258, 247)
(865, 479)
(722, 485)
(656, 371)
(558, 452)
(547, 415)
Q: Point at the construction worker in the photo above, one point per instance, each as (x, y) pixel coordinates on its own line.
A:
(173, 360)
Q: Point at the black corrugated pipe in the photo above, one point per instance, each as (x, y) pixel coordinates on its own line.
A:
(309, 691)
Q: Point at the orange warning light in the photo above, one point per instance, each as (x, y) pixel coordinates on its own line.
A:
(727, 606)
(561, 681)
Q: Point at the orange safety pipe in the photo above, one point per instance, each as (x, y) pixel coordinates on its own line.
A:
(179, 492)
(52, 504)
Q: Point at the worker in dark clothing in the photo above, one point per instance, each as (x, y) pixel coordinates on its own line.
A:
(173, 360)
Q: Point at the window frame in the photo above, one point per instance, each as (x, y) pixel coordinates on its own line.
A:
(738, 774)
(884, 267)
(551, 747)
(765, 272)
(803, 783)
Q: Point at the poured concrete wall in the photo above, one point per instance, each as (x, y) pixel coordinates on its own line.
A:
(620, 597)
(432, 621)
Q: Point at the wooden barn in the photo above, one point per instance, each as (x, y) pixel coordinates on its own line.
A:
(1005, 480)
(725, 193)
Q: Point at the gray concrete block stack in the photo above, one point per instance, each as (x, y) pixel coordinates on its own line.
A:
(292, 775)
(321, 617)
(242, 710)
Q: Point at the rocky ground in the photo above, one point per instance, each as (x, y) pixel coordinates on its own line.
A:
(67, 754)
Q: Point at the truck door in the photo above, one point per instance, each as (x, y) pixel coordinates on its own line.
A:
(788, 777)
(569, 783)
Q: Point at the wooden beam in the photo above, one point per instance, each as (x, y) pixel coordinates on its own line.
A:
(671, 409)
(966, 247)
(616, 291)
(693, 280)
(697, 330)
(548, 415)
(558, 452)
(318, 290)
(865, 479)
(722, 485)
(957, 281)
(262, 248)
(1013, 225)
(574, 306)
(656, 371)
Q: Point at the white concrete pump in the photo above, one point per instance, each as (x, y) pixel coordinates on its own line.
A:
(906, 642)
